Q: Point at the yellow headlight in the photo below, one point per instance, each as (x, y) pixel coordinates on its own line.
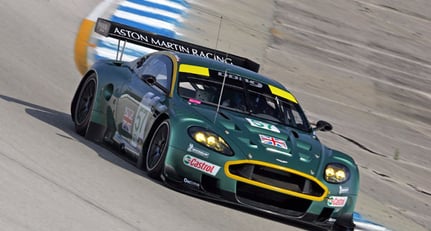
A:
(221, 140)
(200, 137)
(336, 173)
(211, 141)
(329, 172)
(340, 175)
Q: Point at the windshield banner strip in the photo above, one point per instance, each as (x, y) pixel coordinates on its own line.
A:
(282, 93)
(192, 69)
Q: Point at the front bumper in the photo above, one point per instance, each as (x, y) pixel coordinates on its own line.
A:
(303, 198)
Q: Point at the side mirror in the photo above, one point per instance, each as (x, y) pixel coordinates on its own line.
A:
(152, 81)
(149, 79)
(323, 126)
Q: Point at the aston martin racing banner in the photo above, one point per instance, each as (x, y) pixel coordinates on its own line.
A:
(144, 38)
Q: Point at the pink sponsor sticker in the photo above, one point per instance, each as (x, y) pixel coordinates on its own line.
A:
(195, 101)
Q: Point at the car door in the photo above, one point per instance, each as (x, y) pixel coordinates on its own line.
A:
(143, 98)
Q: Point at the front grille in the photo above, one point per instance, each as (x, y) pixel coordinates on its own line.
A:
(275, 178)
(270, 200)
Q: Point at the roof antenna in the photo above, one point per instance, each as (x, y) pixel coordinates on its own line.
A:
(218, 37)
(221, 94)
(219, 30)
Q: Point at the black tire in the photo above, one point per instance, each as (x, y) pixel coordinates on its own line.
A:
(156, 154)
(344, 223)
(84, 105)
(141, 160)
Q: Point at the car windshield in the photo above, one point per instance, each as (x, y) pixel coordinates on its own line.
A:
(243, 95)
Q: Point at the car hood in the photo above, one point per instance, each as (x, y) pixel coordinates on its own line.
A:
(259, 139)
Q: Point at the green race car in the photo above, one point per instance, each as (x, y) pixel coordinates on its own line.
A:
(216, 129)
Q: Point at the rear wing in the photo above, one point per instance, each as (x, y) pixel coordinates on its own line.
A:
(158, 42)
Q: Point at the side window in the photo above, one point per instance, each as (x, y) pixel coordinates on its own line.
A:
(298, 119)
(295, 116)
(159, 66)
(261, 104)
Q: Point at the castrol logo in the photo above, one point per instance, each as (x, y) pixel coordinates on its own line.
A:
(335, 201)
(200, 165)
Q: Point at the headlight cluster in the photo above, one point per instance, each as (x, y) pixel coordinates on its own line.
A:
(210, 140)
(336, 173)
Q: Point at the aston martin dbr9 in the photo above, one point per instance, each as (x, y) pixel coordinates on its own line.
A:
(219, 130)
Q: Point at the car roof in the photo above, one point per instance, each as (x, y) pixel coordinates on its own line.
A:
(221, 66)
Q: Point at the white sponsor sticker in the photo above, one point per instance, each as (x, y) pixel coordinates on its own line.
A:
(190, 182)
(196, 151)
(263, 125)
(200, 165)
(335, 201)
(343, 190)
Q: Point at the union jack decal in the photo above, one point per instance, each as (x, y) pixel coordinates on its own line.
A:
(269, 140)
(127, 120)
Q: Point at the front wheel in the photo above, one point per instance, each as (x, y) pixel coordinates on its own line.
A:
(157, 149)
(84, 105)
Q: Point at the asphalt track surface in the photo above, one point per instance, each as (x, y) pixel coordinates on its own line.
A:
(52, 179)
(362, 65)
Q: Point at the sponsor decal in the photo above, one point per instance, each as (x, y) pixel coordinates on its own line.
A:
(128, 33)
(194, 101)
(166, 43)
(200, 165)
(335, 201)
(343, 190)
(240, 78)
(269, 140)
(116, 30)
(196, 151)
(126, 125)
(263, 125)
(190, 182)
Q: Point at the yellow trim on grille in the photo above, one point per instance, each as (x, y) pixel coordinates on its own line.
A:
(282, 93)
(274, 188)
(192, 69)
